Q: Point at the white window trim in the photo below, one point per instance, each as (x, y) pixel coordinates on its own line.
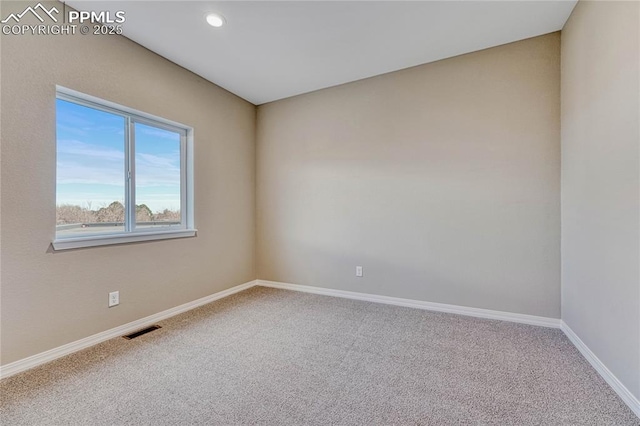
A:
(132, 235)
(120, 238)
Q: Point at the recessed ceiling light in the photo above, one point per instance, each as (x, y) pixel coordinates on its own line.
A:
(215, 20)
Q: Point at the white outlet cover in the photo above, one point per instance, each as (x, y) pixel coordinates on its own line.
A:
(114, 298)
(358, 271)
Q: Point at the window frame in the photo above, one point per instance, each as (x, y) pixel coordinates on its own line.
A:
(131, 234)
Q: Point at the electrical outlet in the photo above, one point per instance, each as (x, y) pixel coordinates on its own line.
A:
(114, 298)
(358, 271)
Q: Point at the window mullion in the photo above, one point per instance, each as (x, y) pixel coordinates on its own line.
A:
(130, 201)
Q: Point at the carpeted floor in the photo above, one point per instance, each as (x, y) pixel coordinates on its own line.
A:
(276, 357)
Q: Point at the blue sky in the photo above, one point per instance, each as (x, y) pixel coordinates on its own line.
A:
(90, 160)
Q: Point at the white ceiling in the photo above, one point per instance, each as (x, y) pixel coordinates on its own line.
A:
(270, 50)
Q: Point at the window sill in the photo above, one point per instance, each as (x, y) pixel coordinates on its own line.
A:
(105, 240)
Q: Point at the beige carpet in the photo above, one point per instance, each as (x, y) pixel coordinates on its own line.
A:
(276, 357)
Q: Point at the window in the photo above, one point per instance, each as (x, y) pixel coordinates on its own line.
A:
(122, 175)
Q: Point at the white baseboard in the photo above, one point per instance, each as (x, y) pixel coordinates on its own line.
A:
(50, 355)
(622, 391)
(430, 306)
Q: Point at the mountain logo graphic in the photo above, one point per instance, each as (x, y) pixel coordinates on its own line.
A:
(34, 11)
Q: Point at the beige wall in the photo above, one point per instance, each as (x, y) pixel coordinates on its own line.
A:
(49, 299)
(442, 181)
(600, 185)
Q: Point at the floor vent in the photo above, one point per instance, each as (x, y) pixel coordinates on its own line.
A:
(141, 332)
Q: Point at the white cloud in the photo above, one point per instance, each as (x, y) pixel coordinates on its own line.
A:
(92, 164)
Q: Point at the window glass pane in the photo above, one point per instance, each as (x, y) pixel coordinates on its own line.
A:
(90, 186)
(157, 170)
